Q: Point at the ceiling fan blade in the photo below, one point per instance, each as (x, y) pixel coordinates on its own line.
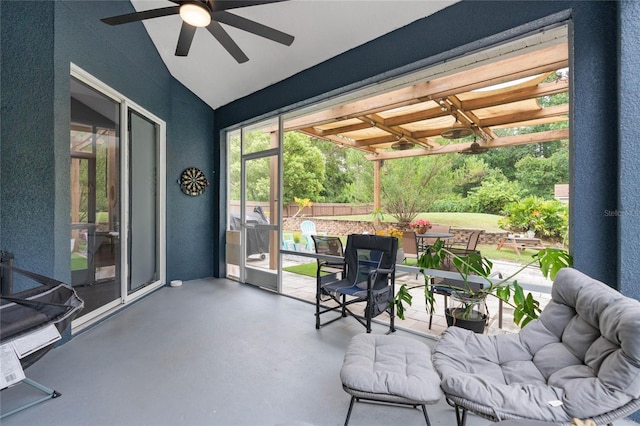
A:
(139, 16)
(219, 5)
(184, 40)
(253, 27)
(225, 40)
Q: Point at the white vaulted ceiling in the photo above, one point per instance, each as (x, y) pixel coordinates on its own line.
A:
(322, 30)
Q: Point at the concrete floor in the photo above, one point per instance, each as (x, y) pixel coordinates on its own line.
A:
(212, 352)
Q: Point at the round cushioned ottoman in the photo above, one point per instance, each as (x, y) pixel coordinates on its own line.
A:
(391, 369)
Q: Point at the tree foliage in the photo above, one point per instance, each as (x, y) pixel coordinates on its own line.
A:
(411, 185)
(304, 168)
(494, 194)
(547, 218)
(538, 175)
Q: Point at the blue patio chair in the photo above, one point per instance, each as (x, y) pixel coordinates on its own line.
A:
(288, 243)
(308, 229)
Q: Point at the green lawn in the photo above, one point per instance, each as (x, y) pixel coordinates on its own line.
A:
(488, 222)
(309, 269)
(491, 252)
(78, 262)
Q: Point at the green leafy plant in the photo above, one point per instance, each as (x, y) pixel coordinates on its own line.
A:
(377, 215)
(547, 218)
(526, 307)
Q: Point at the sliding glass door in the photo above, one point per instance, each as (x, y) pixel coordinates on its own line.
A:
(117, 186)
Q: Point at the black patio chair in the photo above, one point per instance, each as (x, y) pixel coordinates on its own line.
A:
(369, 277)
(331, 246)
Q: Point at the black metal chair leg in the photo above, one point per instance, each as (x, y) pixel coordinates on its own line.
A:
(353, 399)
(461, 417)
(426, 416)
(392, 321)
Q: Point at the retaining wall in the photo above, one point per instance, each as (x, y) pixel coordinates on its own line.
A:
(346, 227)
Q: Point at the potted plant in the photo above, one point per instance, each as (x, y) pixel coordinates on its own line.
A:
(394, 232)
(421, 226)
(468, 296)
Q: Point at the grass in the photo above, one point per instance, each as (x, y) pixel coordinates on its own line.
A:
(488, 222)
(491, 252)
(309, 269)
(78, 262)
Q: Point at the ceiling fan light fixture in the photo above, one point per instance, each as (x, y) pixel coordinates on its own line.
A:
(402, 144)
(457, 132)
(195, 13)
(475, 148)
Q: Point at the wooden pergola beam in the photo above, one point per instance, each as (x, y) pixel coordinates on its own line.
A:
(540, 137)
(542, 89)
(398, 132)
(538, 62)
(337, 140)
(551, 111)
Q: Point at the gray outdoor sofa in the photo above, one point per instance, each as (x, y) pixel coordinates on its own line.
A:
(580, 359)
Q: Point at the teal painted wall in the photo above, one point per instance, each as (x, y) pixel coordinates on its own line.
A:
(629, 152)
(38, 45)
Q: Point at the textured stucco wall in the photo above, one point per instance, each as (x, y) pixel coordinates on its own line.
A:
(28, 215)
(38, 45)
(629, 210)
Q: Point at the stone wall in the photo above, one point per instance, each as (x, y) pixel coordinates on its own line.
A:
(346, 227)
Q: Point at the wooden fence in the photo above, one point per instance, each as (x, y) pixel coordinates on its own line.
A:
(316, 210)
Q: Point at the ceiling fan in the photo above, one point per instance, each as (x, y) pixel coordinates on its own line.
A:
(209, 14)
(402, 144)
(474, 148)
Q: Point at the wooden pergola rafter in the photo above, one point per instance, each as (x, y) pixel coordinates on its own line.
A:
(501, 95)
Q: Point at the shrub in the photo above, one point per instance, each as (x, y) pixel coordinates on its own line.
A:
(547, 218)
(493, 195)
(454, 204)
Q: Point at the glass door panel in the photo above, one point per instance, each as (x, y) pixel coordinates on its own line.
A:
(95, 197)
(143, 202)
(252, 237)
(233, 238)
(260, 221)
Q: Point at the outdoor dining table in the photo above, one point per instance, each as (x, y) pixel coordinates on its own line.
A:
(421, 239)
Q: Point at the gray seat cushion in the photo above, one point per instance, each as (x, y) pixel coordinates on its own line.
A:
(391, 365)
(583, 352)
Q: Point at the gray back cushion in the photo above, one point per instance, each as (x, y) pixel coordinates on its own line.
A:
(584, 351)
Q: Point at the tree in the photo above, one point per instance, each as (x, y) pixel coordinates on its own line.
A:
(339, 184)
(471, 170)
(304, 168)
(494, 194)
(411, 185)
(538, 175)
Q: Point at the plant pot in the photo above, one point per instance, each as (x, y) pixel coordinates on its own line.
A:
(422, 229)
(474, 320)
(467, 311)
(531, 234)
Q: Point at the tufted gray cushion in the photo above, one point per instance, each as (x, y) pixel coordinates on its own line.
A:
(391, 365)
(584, 351)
